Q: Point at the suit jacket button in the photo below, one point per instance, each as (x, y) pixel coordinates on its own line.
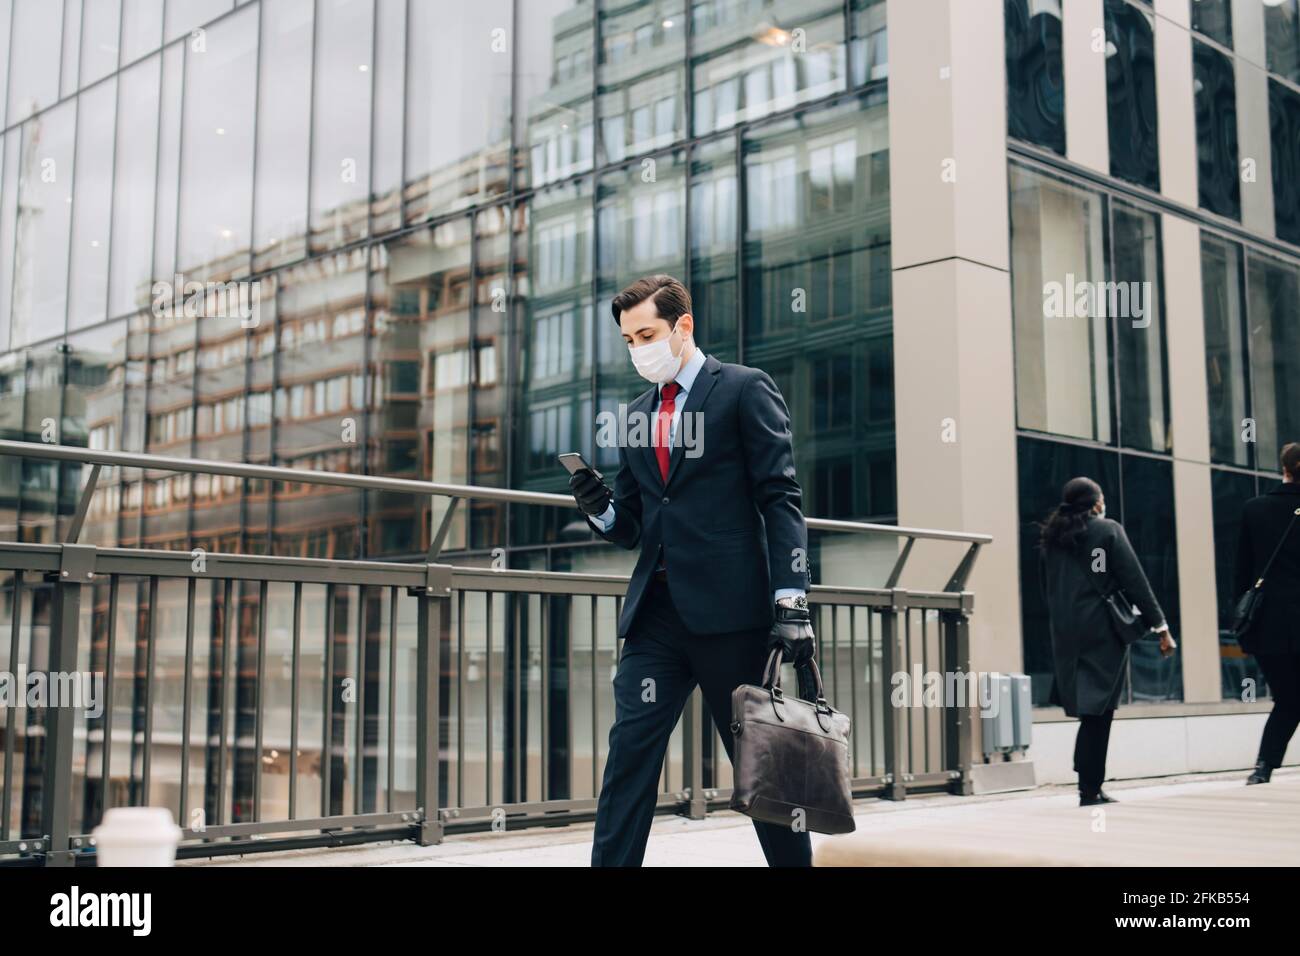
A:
(665, 500)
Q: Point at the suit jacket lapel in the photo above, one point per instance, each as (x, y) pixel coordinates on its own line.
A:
(695, 398)
(644, 452)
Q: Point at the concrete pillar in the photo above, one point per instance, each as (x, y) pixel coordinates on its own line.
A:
(953, 368)
(1190, 424)
(1175, 109)
(1087, 135)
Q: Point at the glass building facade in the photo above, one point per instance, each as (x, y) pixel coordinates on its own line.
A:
(381, 237)
(1092, 392)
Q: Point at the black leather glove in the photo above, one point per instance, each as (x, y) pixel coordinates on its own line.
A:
(792, 629)
(592, 495)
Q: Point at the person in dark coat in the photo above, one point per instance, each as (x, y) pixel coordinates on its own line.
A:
(1084, 553)
(1274, 638)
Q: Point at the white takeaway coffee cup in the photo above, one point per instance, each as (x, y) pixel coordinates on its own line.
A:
(136, 836)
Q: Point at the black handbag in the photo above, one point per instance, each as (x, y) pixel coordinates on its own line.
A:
(1247, 611)
(1125, 616)
(791, 756)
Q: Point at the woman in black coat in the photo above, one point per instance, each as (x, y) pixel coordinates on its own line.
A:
(1274, 638)
(1084, 553)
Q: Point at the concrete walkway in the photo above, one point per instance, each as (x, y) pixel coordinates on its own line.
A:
(1205, 820)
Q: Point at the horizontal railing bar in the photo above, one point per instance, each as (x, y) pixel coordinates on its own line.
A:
(403, 485)
(398, 818)
(410, 817)
(556, 807)
(140, 562)
(31, 845)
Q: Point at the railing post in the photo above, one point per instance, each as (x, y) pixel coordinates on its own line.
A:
(959, 719)
(894, 717)
(693, 756)
(76, 567)
(434, 627)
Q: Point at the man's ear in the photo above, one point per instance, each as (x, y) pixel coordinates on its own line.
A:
(689, 330)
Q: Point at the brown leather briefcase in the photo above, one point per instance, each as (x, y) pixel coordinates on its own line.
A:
(791, 755)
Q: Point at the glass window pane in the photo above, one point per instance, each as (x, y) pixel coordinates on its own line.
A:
(141, 28)
(1227, 359)
(816, 314)
(100, 20)
(1282, 37)
(283, 130)
(553, 280)
(390, 98)
(1231, 491)
(1214, 87)
(93, 194)
(457, 106)
(217, 150)
(10, 160)
(183, 16)
(43, 388)
(1035, 84)
(423, 314)
(340, 154)
(135, 166)
(1043, 468)
(1062, 347)
(92, 418)
(1139, 329)
(774, 66)
(1131, 94)
(1273, 291)
(1214, 19)
(641, 76)
(1284, 121)
(869, 54)
(715, 217)
(69, 60)
(34, 52)
(169, 161)
(44, 218)
(642, 230)
(1148, 518)
(553, 128)
(6, 21)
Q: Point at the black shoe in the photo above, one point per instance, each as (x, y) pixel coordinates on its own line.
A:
(1086, 800)
(1261, 775)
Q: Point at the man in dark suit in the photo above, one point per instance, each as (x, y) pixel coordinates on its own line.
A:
(1274, 638)
(711, 499)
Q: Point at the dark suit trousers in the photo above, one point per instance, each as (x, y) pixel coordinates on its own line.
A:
(1090, 745)
(659, 648)
(1282, 671)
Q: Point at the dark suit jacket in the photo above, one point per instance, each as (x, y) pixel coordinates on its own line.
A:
(1088, 654)
(1263, 521)
(729, 520)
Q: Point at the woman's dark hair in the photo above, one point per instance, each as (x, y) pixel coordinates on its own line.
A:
(1290, 457)
(1065, 525)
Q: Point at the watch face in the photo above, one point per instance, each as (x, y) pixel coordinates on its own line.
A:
(800, 601)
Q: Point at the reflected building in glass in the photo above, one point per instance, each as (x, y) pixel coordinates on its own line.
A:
(381, 237)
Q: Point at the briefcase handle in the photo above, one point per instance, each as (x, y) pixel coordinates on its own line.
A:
(772, 678)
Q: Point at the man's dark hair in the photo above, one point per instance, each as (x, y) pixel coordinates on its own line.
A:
(1291, 460)
(671, 299)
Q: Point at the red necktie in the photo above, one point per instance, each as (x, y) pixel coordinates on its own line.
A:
(663, 423)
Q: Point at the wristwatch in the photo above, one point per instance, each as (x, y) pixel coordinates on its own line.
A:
(798, 601)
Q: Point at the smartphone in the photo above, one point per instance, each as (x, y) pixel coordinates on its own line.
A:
(573, 463)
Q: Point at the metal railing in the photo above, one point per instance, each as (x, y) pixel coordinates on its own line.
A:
(449, 698)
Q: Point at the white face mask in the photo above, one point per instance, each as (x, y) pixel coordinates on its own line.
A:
(655, 361)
